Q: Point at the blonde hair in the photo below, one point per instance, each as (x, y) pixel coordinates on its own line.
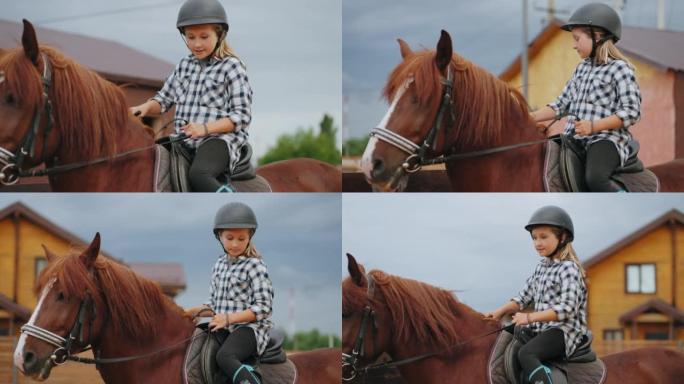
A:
(224, 50)
(251, 250)
(607, 50)
(568, 252)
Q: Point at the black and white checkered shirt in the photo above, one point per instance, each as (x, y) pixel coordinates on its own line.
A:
(208, 91)
(599, 91)
(239, 284)
(558, 285)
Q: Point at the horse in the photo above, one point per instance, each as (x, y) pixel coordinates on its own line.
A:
(408, 319)
(86, 299)
(56, 112)
(444, 108)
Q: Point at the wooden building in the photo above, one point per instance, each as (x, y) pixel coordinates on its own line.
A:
(22, 258)
(636, 286)
(659, 63)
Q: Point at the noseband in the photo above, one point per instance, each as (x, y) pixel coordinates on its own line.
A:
(63, 352)
(417, 154)
(11, 163)
(350, 361)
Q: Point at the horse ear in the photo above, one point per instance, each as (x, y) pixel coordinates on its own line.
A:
(444, 51)
(404, 48)
(49, 255)
(355, 271)
(90, 255)
(30, 42)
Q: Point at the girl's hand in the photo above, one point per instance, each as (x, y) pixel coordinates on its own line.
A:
(219, 321)
(521, 318)
(139, 110)
(584, 127)
(495, 315)
(196, 130)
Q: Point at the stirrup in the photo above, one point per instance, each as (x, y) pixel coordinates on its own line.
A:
(250, 373)
(226, 188)
(541, 375)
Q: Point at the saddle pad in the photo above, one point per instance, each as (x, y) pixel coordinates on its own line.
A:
(644, 181)
(284, 373)
(583, 373)
(163, 170)
(497, 368)
(192, 371)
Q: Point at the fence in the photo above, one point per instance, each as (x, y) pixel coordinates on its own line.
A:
(613, 346)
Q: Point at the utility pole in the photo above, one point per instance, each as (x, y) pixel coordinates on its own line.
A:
(523, 54)
(661, 14)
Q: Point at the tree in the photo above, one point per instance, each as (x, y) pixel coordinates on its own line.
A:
(355, 146)
(305, 341)
(305, 143)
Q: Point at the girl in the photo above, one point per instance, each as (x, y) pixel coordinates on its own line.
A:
(602, 99)
(241, 294)
(558, 291)
(212, 95)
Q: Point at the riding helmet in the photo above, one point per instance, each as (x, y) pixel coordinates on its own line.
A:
(235, 215)
(554, 216)
(596, 15)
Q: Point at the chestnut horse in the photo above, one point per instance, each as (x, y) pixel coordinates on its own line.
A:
(409, 318)
(104, 304)
(475, 113)
(66, 115)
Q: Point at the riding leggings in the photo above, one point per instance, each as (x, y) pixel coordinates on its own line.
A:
(602, 160)
(237, 347)
(210, 162)
(547, 345)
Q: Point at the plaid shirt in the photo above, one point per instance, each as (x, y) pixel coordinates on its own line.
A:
(558, 285)
(208, 91)
(240, 284)
(595, 92)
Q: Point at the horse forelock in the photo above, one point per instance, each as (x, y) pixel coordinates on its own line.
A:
(135, 305)
(485, 106)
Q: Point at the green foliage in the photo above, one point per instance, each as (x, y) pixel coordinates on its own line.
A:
(355, 147)
(305, 341)
(306, 143)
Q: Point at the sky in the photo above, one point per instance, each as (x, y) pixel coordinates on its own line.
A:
(299, 236)
(488, 33)
(292, 49)
(476, 244)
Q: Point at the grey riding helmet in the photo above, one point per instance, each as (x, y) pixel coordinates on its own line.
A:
(596, 15)
(235, 215)
(195, 12)
(552, 215)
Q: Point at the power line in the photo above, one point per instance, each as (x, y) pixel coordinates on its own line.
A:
(103, 13)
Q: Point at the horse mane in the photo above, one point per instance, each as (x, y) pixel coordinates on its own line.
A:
(74, 89)
(135, 304)
(484, 105)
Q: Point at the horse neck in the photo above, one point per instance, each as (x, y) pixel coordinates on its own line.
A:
(468, 362)
(168, 364)
(127, 174)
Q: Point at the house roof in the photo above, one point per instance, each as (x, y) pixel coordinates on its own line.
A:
(168, 275)
(17, 309)
(652, 306)
(670, 216)
(660, 48)
(110, 59)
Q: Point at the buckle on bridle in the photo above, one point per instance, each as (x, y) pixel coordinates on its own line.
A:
(412, 163)
(61, 358)
(349, 362)
(9, 174)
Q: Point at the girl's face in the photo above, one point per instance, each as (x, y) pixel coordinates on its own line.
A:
(235, 241)
(201, 39)
(582, 42)
(545, 241)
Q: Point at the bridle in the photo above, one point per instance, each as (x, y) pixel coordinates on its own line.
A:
(417, 154)
(350, 361)
(11, 162)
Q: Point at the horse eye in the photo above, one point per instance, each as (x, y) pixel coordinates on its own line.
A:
(60, 296)
(9, 99)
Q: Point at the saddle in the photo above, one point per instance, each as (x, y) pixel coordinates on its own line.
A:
(583, 367)
(200, 365)
(564, 168)
(173, 163)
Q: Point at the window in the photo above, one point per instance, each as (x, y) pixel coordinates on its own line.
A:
(41, 263)
(613, 334)
(640, 278)
(657, 336)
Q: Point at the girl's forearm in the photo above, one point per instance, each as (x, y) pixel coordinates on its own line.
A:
(544, 114)
(607, 123)
(224, 125)
(509, 307)
(246, 316)
(543, 316)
